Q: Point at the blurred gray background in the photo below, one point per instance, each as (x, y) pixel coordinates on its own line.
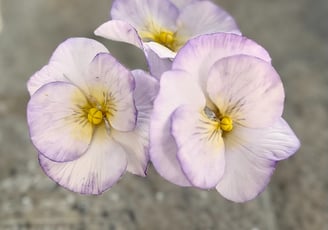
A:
(295, 32)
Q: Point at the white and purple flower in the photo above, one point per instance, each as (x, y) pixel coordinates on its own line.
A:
(89, 117)
(217, 120)
(162, 27)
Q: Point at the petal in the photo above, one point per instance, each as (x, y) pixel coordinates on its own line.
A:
(142, 14)
(46, 75)
(247, 89)
(199, 54)
(58, 126)
(145, 91)
(108, 77)
(73, 57)
(251, 156)
(94, 172)
(200, 146)
(275, 143)
(182, 3)
(119, 31)
(157, 66)
(160, 50)
(136, 142)
(176, 89)
(68, 63)
(204, 17)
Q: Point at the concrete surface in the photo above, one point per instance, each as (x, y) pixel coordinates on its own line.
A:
(295, 32)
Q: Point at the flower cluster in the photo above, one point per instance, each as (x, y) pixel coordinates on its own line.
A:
(208, 114)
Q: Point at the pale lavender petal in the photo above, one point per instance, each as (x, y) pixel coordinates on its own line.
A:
(68, 63)
(136, 142)
(46, 75)
(275, 143)
(200, 146)
(247, 89)
(161, 51)
(157, 66)
(144, 14)
(176, 89)
(204, 17)
(73, 57)
(119, 31)
(245, 176)
(146, 90)
(180, 4)
(59, 129)
(251, 156)
(199, 54)
(108, 77)
(94, 172)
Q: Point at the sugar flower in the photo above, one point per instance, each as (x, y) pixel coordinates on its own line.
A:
(217, 119)
(162, 27)
(89, 117)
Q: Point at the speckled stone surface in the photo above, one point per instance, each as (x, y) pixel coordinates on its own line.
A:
(295, 32)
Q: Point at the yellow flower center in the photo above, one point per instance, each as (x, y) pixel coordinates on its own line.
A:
(164, 37)
(220, 122)
(95, 116)
(226, 124)
(167, 39)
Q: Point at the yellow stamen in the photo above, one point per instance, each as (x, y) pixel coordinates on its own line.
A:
(226, 124)
(166, 38)
(95, 116)
(163, 37)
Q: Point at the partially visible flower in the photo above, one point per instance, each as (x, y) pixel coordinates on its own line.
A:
(217, 119)
(89, 117)
(162, 27)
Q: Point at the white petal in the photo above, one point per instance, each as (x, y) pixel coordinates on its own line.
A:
(142, 14)
(204, 17)
(146, 90)
(119, 31)
(275, 143)
(160, 50)
(200, 53)
(247, 89)
(251, 156)
(176, 89)
(200, 146)
(46, 75)
(182, 3)
(94, 172)
(157, 66)
(108, 77)
(68, 63)
(136, 142)
(73, 57)
(59, 129)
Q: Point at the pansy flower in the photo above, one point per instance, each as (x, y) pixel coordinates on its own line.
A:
(217, 120)
(162, 27)
(89, 117)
